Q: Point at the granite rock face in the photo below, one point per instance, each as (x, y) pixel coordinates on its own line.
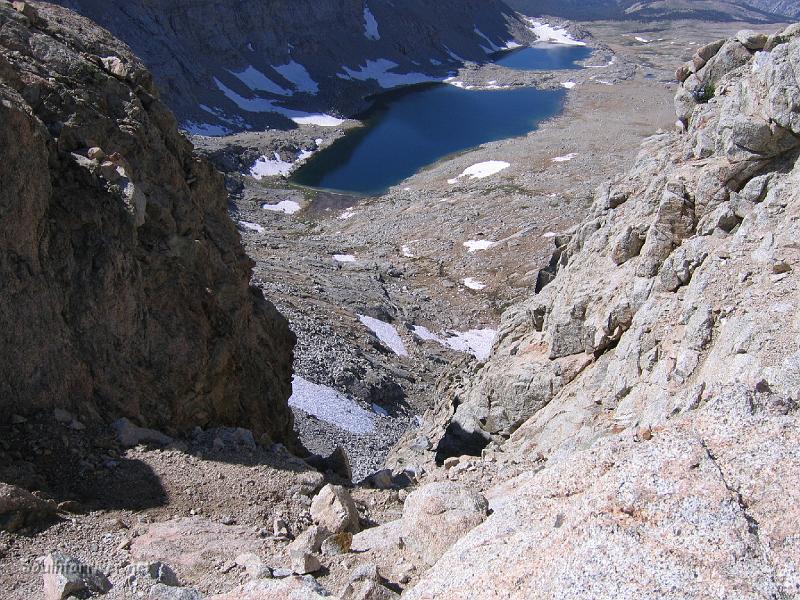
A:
(125, 286)
(655, 379)
(314, 55)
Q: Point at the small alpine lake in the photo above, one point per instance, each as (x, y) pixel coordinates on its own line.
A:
(411, 128)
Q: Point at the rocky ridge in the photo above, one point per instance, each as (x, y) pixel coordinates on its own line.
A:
(655, 379)
(126, 289)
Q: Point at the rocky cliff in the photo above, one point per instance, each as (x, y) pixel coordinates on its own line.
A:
(125, 287)
(652, 386)
(271, 58)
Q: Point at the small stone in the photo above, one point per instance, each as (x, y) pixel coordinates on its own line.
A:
(254, 566)
(18, 420)
(337, 544)
(281, 573)
(280, 529)
(645, 434)
(780, 267)
(451, 462)
(304, 563)
(228, 520)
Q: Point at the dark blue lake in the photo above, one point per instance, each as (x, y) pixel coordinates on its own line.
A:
(545, 58)
(408, 130)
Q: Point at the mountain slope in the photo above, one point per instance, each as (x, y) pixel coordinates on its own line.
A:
(125, 286)
(313, 55)
(752, 11)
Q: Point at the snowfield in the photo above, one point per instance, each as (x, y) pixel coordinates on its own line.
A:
(329, 405)
(379, 70)
(477, 342)
(298, 75)
(473, 284)
(247, 226)
(552, 35)
(386, 333)
(270, 167)
(258, 82)
(481, 170)
(565, 158)
(288, 207)
(370, 25)
(263, 105)
(477, 245)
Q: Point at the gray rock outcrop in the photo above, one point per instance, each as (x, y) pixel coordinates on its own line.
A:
(125, 286)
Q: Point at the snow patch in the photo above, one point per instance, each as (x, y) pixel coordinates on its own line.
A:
(258, 82)
(386, 333)
(473, 284)
(329, 405)
(642, 40)
(270, 167)
(346, 214)
(477, 245)
(552, 35)
(370, 25)
(481, 170)
(379, 71)
(565, 158)
(406, 251)
(379, 410)
(344, 258)
(298, 76)
(568, 84)
(247, 226)
(262, 105)
(477, 342)
(288, 207)
(492, 46)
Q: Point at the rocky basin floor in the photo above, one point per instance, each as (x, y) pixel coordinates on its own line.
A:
(414, 256)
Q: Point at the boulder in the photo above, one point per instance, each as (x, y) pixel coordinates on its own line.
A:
(65, 576)
(366, 583)
(310, 540)
(253, 566)
(304, 563)
(436, 515)
(19, 508)
(752, 40)
(333, 508)
(130, 435)
(337, 544)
